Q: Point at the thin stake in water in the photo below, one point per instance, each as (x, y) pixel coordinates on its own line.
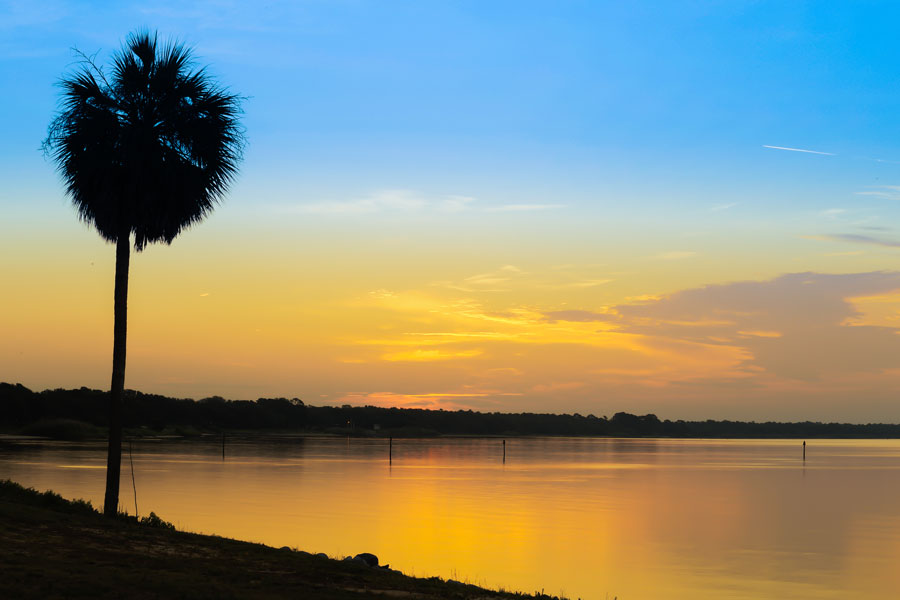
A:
(133, 485)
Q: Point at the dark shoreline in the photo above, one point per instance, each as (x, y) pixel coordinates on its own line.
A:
(56, 548)
(82, 413)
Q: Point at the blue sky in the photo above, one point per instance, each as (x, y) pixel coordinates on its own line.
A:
(503, 97)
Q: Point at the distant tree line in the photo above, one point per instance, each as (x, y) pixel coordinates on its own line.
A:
(21, 407)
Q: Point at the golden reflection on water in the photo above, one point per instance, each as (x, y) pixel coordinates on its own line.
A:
(637, 519)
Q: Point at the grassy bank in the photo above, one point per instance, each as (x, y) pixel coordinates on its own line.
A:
(56, 548)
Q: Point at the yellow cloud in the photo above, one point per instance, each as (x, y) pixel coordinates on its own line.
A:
(429, 355)
(877, 310)
(762, 334)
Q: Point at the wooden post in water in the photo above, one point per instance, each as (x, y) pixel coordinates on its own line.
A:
(504, 452)
(133, 485)
(223, 445)
(804, 450)
(390, 451)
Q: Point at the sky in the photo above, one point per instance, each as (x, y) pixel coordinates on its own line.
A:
(685, 208)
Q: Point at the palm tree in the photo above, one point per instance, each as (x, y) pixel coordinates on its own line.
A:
(146, 151)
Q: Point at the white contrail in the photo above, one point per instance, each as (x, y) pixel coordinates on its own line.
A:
(798, 150)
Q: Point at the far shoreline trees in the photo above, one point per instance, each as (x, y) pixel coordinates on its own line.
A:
(25, 411)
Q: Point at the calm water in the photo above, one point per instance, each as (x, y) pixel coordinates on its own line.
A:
(637, 519)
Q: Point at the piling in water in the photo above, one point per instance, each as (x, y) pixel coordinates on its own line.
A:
(504, 452)
(390, 450)
(133, 484)
(223, 446)
(804, 450)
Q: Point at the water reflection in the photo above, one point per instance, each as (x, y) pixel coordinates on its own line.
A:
(587, 517)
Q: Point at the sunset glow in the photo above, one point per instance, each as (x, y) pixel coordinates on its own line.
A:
(566, 215)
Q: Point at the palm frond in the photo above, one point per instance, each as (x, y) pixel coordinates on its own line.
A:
(152, 148)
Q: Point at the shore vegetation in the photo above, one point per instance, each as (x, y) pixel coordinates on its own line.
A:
(79, 412)
(58, 548)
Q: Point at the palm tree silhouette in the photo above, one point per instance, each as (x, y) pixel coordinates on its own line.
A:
(145, 151)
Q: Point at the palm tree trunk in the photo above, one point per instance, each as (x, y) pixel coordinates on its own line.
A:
(117, 387)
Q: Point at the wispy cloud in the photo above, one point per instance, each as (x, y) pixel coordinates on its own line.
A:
(429, 355)
(861, 239)
(485, 282)
(760, 334)
(399, 201)
(886, 192)
(449, 335)
(578, 316)
(557, 386)
(574, 285)
(674, 255)
(798, 150)
(390, 201)
(509, 277)
(721, 207)
(882, 160)
(384, 201)
(456, 203)
(522, 207)
(485, 279)
(833, 213)
(501, 274)
(854, 238)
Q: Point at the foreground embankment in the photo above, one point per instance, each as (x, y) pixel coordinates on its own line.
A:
(55, 548)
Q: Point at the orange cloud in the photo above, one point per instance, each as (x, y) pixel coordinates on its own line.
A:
(429, 355)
